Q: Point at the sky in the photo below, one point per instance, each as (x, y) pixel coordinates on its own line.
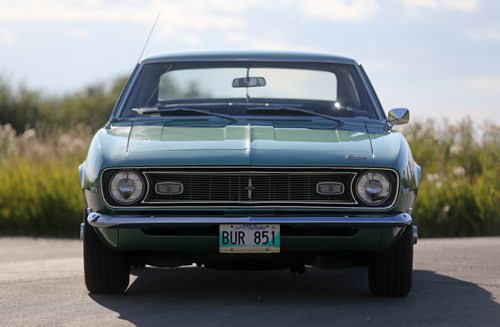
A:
(439, 58)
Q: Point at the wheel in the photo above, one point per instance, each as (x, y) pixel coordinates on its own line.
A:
(390, 272)
(106, 271)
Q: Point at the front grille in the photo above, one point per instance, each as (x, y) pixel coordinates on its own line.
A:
(249, 187)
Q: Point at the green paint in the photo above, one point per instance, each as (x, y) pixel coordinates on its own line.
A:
(263, 142)
(369, 239)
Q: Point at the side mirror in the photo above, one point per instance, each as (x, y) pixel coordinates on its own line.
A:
(398, 116)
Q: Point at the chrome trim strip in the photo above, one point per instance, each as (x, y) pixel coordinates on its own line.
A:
(369, 90)
(242, 168)
(250, 167)
(82, 231)
(246, 172)
(130, 221)
(415, 234)
(248, 203)
(117, 111)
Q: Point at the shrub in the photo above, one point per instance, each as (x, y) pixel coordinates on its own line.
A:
(39, 186)
(460, 190)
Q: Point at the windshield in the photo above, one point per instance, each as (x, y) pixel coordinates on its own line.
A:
(216, 83)
(233, 87)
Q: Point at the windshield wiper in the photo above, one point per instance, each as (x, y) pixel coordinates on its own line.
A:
(118, 120)
(161, 111)
(294, 109)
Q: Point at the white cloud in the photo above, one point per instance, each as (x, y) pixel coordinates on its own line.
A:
(486, 33)
(387, 67)
(456, 5)
(238, 6)
(427, 4)
(194, 14)
(6, 36)
(77, 33)
(482, 83)
(340, 10)
(184, 21)
(461, 5)
(271, 41)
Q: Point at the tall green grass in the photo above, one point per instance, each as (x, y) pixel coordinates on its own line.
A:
(39, 185)
(460, 189)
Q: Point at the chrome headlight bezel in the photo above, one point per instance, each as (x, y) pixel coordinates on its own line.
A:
(366, 186)
(128, 178)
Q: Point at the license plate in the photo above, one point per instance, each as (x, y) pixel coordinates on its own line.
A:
(249, 238)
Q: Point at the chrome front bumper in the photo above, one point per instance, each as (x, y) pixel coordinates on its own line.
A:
(137, 221)
(397, 221)
(130, 221)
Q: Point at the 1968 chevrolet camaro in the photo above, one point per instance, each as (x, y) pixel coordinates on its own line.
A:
(249, 160)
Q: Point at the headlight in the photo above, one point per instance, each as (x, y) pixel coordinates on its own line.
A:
(373, 188)
(126, 187)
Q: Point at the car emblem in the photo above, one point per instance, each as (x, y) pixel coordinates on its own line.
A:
(249, 188)
(355, 157)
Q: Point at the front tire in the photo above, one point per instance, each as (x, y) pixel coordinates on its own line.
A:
(106, 271)
(390, 272)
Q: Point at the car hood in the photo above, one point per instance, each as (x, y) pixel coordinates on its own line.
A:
(160, 144)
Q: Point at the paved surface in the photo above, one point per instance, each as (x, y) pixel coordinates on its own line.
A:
(457, 282)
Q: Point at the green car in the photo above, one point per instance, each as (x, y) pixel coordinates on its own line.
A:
(249, 161)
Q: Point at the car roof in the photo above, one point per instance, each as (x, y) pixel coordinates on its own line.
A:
(249, 55)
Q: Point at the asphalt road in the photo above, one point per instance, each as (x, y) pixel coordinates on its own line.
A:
(456, 282)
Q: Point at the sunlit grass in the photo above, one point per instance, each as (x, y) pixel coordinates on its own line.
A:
(460, 190)
(39, 186)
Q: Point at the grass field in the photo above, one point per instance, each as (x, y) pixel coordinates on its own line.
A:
(39, 187)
